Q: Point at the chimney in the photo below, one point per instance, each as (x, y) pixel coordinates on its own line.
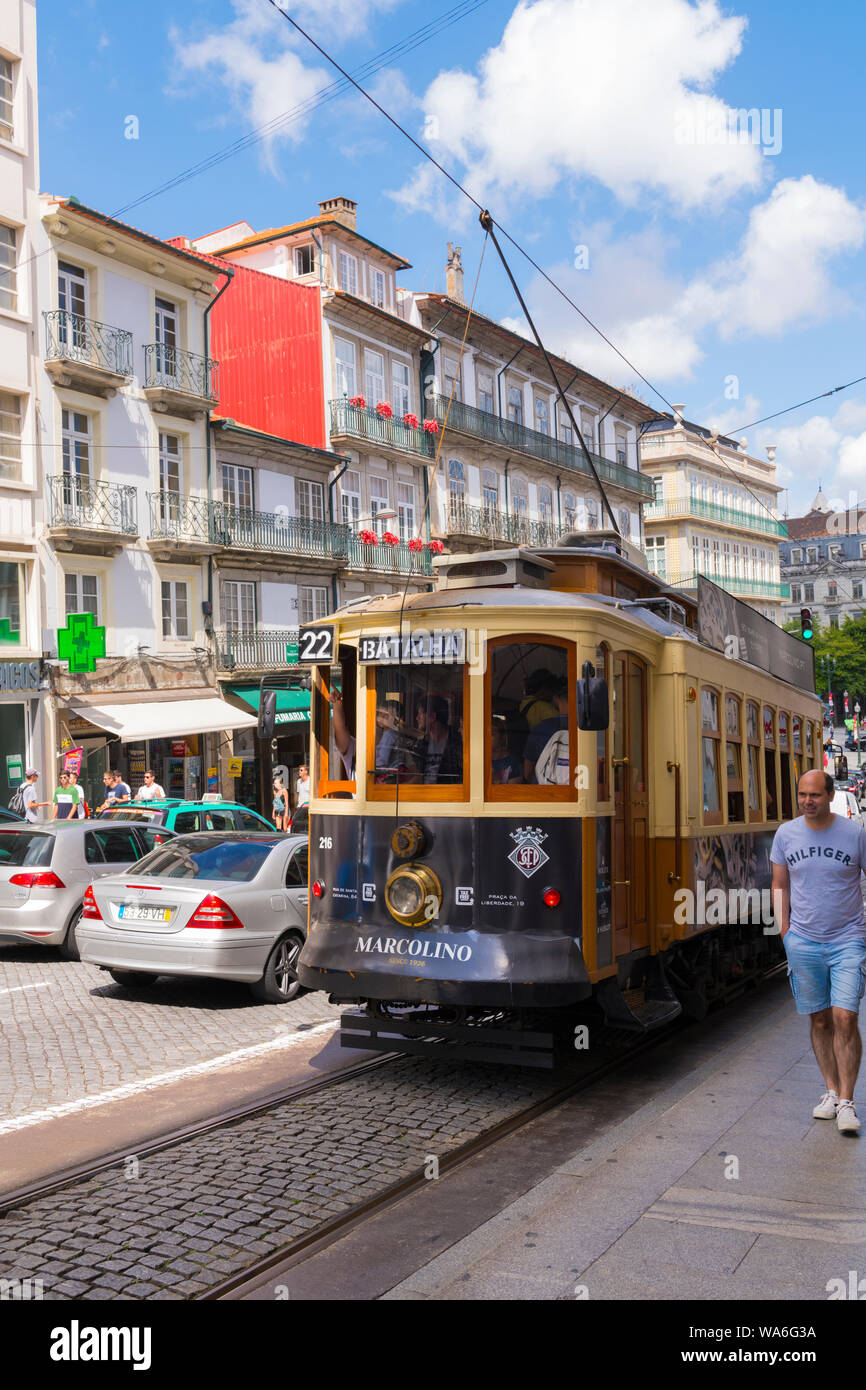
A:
(343, 210)
(454, 273)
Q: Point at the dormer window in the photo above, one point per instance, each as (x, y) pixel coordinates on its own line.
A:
(305, 259)
(377, 288)
(348, 273)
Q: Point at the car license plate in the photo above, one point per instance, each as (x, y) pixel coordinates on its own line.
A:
(136, 912)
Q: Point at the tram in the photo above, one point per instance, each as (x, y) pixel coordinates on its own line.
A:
(548, 784)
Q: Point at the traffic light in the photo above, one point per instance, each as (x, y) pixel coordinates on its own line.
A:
(806, 629)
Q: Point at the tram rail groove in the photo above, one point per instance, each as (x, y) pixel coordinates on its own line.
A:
(67, 1177)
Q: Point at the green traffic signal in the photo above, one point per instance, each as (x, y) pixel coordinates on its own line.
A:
(806, 628)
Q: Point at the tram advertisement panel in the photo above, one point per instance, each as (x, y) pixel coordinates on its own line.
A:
(732, 627)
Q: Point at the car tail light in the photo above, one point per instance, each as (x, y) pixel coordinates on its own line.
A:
(46, 880)
(552, 897)
(213, 912)
(318, 888)
(90, 907)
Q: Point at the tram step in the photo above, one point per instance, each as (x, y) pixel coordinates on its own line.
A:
(633, 1010)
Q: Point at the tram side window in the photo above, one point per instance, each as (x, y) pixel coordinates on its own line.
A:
(785, 766)
(602, 668)
(419, 725)
(809, 762)
(710, 740)
(530, 699)
(769, 723)
(733, 759)
(797, 743)
(753, 739)
(335, 722)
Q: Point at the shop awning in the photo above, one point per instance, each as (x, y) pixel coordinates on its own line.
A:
(166, 718)
(293, 706)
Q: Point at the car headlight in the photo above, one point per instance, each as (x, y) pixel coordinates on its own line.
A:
(413, 894)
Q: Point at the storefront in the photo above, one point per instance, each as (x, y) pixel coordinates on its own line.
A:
(258, 765)
(20, 726)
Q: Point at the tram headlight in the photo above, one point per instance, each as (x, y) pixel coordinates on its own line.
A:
(413, 894)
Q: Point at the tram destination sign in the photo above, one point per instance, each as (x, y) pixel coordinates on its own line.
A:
(734, 628)
(420, 647)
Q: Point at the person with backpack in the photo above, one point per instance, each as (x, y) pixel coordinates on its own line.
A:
(546, 755)
(24, 801)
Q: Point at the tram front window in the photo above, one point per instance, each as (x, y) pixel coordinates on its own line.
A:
(419, 725)
(528, 739)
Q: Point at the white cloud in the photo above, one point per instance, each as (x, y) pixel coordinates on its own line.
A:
(826, 449)
(612, 90)
(730, 421)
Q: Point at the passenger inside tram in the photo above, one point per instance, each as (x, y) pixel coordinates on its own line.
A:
(432, 751)
(546, 756)
(437, 751)
(504, 766)
(530, 693)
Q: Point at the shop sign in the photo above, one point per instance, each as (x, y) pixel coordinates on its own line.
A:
(439, 647)
(19, 675)
(292, 650)
(80, 642)
(178, 748)
(213, 779)
(236, 767)
(72, 761)
(14, 768)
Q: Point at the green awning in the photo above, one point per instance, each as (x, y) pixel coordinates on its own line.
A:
(293, 706)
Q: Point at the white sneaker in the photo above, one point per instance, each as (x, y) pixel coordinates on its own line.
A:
(846, 1118)
(826, 1107)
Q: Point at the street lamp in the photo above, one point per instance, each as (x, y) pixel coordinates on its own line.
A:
(857, 729)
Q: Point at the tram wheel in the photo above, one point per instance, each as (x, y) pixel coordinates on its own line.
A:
(280, 984)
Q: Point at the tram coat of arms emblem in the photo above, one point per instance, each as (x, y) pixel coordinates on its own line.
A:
(527, 855)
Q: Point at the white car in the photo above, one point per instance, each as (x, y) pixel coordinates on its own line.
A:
(845, 803)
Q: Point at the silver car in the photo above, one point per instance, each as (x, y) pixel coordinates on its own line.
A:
(45, 869)
(230, 905)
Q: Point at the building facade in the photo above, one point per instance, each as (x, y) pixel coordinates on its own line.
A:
(824, 560)
(713, 512)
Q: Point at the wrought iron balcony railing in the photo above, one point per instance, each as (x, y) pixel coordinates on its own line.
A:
(389, 559)
(178, 518)
(735, 584)
(275, 531)
(362, 422)
(493, 524)
(72, 338)
(79, 502)
(247, 647)
(712, 511)
(175, 369)
(494, 429)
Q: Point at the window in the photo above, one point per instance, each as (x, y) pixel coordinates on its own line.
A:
(545, 505)
(484, 391)
(400, 388)
(655, 554)
(519, 496)
(451, 370)
(769, 732)
(8, 267)
(374, 376)
(379, 496)
(795, 593)
(11, 417)
(350, 493)
(239, 605)
(754, 752)
(297, 868)
(515, 405)
(169, 477)
(344, 355)
(166, 330)
(82, 594)
(406, 509)
(809, 593)
(856, 590)
(542, 416)
(456, 479)
(569, 510)
(417, 730)
(710, 742)
(863, 550)
(305, 259)
(489, 489)
(796, 557)
(115, 846)
(733, 759)
(11, 588)
(348, 273)
(531, 720)
(832, 591)
(377, 288)
(310, 500)
(811, 554)
(75, 448)
(312, 602)
(587, 429)
(175, 608)
(72, 303)
(602, 668)
(658, 491)
(834, 621)
(591, 514)
(6, 112)
(621, 446)
(566, 433)
(834, 551)
(785, 767)
(237, 486)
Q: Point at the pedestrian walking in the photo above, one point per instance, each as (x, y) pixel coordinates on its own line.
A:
(151, 791)
(67, 799)
(817, 861)
(303, 785)
(83, 809)
(281, 804)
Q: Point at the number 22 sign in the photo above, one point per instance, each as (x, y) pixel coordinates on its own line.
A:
(316, 644)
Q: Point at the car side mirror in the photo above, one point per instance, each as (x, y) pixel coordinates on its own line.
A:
(593, 703)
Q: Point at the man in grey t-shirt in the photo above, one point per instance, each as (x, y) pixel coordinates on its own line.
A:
(817, 862)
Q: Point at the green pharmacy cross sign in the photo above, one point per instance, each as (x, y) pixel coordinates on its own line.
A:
(8, 635)
(80, 642)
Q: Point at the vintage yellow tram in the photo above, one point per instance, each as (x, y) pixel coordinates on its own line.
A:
(551, 780)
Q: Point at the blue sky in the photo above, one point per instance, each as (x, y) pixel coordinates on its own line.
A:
(731, 272)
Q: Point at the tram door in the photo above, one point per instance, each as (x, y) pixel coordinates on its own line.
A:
(630, 855)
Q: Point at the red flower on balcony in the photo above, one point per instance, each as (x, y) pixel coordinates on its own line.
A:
(416, 543)
(410, 421)
(359, 401)
(436, 546)
(388, 538)
(368, 537)
(384, 409)
(431, 426)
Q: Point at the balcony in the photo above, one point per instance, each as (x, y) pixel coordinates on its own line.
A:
(675, 507)
(494, 429)
(752, 588)
(178, 382)
(95, 517)
(253, 648)
(277, 534)
(359, 423)
(181, 527)
(86, 355)
(390, 559)
(489, 523)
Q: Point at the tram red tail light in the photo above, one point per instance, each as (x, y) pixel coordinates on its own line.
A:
(318, 888)
(90, 907)
(552, 897)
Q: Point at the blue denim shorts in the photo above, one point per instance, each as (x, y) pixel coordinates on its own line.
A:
(825, 974)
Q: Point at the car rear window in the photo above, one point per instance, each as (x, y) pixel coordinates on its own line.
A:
(18, 847)
(197, 858)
